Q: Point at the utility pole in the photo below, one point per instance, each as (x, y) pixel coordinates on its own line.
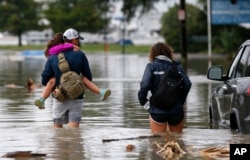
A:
(123, 36)
(209, 32)
(182, 18)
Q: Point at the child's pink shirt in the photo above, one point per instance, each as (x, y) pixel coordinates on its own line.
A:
(59, 48)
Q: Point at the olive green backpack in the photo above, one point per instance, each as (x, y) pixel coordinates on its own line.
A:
(71, 84)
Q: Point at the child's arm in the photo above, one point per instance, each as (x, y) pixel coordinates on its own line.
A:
(91, 86)
(60, 47)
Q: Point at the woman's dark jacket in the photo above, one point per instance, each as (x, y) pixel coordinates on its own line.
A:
(151, 78)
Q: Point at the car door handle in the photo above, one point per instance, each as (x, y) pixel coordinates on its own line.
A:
(224, 88)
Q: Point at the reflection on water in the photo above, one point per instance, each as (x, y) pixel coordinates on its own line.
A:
(26, 128)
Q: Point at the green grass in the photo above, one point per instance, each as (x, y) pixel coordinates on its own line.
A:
(22, 48)
(89, 48)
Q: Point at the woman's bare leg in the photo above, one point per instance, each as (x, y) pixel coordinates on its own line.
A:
(157, 127)
(177, 128)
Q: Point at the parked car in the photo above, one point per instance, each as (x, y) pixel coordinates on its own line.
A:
(229, 105)
(125, 42)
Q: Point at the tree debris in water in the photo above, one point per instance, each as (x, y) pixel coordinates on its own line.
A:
(19, 154)
(170, 149)
(215, 152)
(131, 138)
(130, 147)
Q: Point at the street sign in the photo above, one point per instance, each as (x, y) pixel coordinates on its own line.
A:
(225, 12)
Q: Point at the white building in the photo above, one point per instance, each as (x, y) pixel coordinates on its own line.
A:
(142, 29)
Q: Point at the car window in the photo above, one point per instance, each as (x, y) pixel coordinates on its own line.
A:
(247, 72)
(240, 71)
(234, 65)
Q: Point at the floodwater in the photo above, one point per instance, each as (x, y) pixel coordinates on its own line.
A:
(23, 127)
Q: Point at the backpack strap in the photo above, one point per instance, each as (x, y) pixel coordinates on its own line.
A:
(177, 64)
(63, 63)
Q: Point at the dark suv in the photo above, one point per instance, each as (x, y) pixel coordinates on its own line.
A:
(229, 105)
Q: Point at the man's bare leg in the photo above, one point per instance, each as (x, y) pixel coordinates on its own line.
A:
(73, 125)
(56, 125)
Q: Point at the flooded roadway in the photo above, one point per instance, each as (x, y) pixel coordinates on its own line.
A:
(23, 127)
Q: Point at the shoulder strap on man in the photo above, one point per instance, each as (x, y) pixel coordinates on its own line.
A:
(63, 63)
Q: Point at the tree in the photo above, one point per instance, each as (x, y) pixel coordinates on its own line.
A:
(227, 38)
(196, 26)
(83, 15)
(129, 7)
(19, 16)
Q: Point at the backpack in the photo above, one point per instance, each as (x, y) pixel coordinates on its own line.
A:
(169, 88)
(71, 84)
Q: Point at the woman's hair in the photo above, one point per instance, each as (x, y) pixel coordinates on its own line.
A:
(57, 39)
(161, 48)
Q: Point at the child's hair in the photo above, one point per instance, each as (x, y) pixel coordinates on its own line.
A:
(57, 39)
(29, 82)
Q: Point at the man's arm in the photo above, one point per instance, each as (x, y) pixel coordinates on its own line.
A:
(47, 73)
(86, 69)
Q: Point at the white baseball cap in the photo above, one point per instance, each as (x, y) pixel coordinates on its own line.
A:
(71, 33)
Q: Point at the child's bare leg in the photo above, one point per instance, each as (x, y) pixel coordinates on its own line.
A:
(45, 94)
(103, 93)
(48, 88)
(90, 85)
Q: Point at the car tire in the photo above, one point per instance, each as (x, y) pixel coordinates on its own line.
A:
(233, 122)
(210, 115)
